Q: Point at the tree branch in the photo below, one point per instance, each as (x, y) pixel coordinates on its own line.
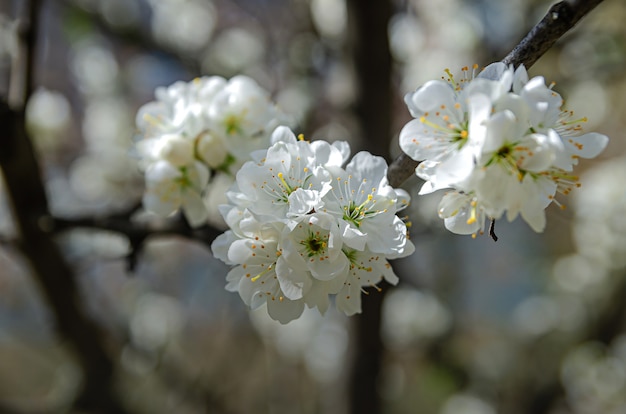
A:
(560, 18)
(136, 233)
(369, 20)
(30, 209)
(136, 36)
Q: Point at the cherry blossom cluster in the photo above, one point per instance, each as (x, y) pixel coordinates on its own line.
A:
(195, 128)
(501, 143)
(304, 228)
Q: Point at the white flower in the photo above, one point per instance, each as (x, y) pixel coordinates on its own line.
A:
(502, 142)
(180, 108)
(462, 213)
(169, 188)
(366, 205)
(309, 228)
(314, 244)
(215, 195)
(256, 279)
(211, 150)
(174, 149)
(208, 121)
(366, 270)
(291, 178)
(243, 116)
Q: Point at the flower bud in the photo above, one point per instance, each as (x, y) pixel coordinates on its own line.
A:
(176, 150)
(211, 150)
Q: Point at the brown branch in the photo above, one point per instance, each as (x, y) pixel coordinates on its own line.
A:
(30, 209)
(137, 233)
(369, 44)
(560, 18)
(401, 169)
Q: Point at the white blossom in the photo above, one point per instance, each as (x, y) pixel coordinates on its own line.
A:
(309, 228)
(169, 188)
(500, 141)
(210, 121)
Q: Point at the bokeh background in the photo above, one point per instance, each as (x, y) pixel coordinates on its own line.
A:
(534, 323)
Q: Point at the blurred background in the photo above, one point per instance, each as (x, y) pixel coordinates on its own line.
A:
(534, 323)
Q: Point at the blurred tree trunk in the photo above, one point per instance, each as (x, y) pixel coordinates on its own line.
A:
(26, 191)
(369, 45)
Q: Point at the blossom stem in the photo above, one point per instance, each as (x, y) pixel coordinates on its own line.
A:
(492, 230)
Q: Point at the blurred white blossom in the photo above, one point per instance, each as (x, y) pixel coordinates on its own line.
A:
(207, 126)
(48, 116)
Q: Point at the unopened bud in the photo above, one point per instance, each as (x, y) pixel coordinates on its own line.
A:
(176, 150)
(211, 150)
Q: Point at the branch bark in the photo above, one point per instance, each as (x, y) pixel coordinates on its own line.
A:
(560, 18)
(136, 233)
(29, 203)
(369, 20)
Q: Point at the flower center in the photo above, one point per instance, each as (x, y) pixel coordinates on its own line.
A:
(232, 124)
(352, 257)
(356, 213)
(183, 181)
(315, 244)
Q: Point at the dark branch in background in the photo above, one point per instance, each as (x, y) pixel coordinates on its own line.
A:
(369, 46)
(21, 83)
(135, 36)
(560, 18)
(136, 233)
(30, 209)
(369, 43)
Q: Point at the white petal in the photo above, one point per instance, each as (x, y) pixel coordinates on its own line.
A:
(493, 71)
(285, 311)
(161, 204)
(221, 245)
(352, 237)
(302, 202)
(283, 134)
(431, 95)
(194, 209)
(536, 220)
(328, 269)
(587, 145)
(368, 166)
(293, 283)
(348, 299)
